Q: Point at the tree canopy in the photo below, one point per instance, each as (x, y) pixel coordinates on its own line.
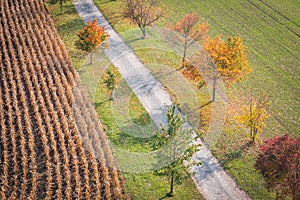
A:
(191, 31)
(142, 12)
(178, 147)
(254, 114)
(230, 57)
(279, 163)
(91, 37)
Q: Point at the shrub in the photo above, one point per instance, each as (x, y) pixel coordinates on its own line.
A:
(279, 163)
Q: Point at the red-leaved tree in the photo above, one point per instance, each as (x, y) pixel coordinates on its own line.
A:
(279, 163)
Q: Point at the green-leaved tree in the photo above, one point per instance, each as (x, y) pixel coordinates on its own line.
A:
(177, 148)
(110, 81)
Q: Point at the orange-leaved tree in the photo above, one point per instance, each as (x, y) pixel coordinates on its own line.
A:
(230, 57)
(254, 114)
(191, 31)
(91, 37)
(142, 12)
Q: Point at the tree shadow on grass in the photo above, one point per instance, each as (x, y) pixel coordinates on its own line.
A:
(137, 131)
(98, 104)
(236, 153)
(72, 25)
(165, 197)
(69, 10)
(206, 104)
(128, 42)
(108, 1)
(133, 133)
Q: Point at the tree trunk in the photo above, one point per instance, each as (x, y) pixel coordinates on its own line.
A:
(184, 51)
(61, 4)
(214, 90)
(172, 184)
(250, 113)
(255, 130)
(143, 28)
(91, 58)
(252, 136)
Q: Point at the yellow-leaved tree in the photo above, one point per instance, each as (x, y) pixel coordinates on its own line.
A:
(254, 115)
(229, 56)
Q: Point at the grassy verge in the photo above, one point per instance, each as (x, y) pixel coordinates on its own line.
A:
(141, 186)
(68, 25)
(270, 29)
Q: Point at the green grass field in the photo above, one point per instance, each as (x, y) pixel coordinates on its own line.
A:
(273, 49)
(270, 30)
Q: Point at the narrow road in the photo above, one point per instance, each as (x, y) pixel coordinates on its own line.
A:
(211, 180)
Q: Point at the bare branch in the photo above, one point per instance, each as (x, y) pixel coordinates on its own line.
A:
(142, 12)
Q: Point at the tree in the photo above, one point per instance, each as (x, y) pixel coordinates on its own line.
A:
(91, 37)
(254, 115)
(229, 56)
(178, 149)
(279, 163)
(110, 81)
(142, 12)
(191, 31)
